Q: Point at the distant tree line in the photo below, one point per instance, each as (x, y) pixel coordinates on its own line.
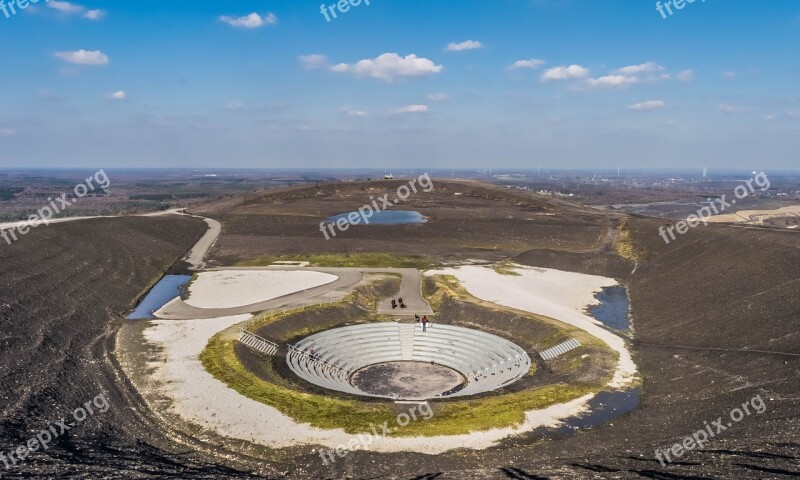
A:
(163, 197)
(8, 193)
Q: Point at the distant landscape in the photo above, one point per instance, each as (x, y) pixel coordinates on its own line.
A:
(400, 240)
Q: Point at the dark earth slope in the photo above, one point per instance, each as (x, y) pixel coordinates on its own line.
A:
(702, 306)
(716, 322)
(63, 291)
(468, 220)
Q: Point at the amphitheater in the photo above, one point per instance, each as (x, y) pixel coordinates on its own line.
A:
(482, 362)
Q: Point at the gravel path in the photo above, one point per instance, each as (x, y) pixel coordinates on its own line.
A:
(410, 291)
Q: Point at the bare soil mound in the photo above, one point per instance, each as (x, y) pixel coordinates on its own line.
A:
(63, 292)
(715, 322)
(466, 220)
(598, 263)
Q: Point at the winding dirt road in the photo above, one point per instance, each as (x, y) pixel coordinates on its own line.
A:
(410, 291)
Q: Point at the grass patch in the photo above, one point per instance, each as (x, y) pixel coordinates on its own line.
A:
(219, 358)
(623, 244)
(494, 412)
(450, 417)
(366, 260)
(506, 267)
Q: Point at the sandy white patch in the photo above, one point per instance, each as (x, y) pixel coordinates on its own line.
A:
(237, 288)
(552, 293)
(203, 400)
(756, 217)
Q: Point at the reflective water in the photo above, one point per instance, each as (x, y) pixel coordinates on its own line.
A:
(613, 308)
(604, 407)
(165, 290)
(384, 217)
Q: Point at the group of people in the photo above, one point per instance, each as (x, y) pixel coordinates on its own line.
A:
(424, 320)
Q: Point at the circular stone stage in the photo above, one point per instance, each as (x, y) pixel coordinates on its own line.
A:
(401, 362)
(406, 379)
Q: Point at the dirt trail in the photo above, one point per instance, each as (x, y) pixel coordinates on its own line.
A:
(410, 291)
(198, 252)
(7, 225)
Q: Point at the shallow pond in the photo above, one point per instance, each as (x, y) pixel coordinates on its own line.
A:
(165, 290)
(384, 217)
(604, 407)
(613, 308)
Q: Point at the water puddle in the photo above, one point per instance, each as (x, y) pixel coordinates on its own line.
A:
(613, 309)
(603, 407)
(384, 217)
(165, 290)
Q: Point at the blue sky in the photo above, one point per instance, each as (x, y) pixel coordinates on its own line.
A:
(411, 83)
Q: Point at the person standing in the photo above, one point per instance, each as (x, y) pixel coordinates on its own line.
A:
(424, 323)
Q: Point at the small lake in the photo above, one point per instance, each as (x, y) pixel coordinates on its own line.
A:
(613, 309)
(165, 290)
(602, 408)
(384, 217)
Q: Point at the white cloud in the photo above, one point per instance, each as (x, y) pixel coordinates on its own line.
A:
(612, 81)
(412, 109)
(65, 7)
(390, 67)
(313, 62)
(351, 112)
(564, 73)
(533, 63)
(648, 105)
(68, 8)
(95, 14)
(83, 57)
(438, 97)
(118, 95)
(728, 74)
(648, 67)
(7, 132)
(253, 20)
(459, 47)
(621, 77)
(633, 74)
(793, 114)
(732, 109)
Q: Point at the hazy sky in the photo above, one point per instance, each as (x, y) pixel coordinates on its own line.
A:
(411, 83)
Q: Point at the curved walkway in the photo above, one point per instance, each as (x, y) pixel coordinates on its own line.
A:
(199, 250)
(177, 309)
(410, 291)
